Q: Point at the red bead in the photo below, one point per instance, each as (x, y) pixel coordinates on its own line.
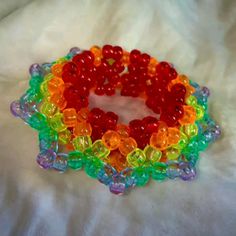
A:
(135, 56)
(95, 115)
(145, 59)
(118, 52)
(107, 51)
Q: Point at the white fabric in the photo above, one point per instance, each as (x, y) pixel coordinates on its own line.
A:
(198, 37)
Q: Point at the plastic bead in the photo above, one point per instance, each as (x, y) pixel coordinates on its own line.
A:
(75, 160)
(56, 123)
(172, 153)
(121, 156)
(82, 114)
(158, 171)
(191, 130)
(64, 137)
(55, 85)
(46, 158)
(159, 140)
(127, 145)
(123, 130)
(82, 129)
(136, 158)
(81, 143)
(189, 116)
(70, 117)
(173, 135)
(100, 150)
(60, 162)
(111, 139)
(48, 109)
(152, 154)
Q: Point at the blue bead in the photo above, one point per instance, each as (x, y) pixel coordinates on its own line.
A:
(60, 162)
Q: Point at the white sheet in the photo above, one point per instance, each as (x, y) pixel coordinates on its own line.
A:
(198, 37)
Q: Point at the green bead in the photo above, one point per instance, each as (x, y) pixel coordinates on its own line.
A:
(158, 171)
(31, 96)
(199, 112)
(56, 123)
(152, 154)
(35, 81)
(48, 134)
(37, 121)
(75, 160)
(48, 109)
(141, 176)
(81, 143)
(191, 100)
(172, 153)
(92, 167)
(191, 130)
(136, 157)
(100, 150)
(202, 144)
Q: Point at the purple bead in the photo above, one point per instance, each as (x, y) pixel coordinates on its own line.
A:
(75, 50)
(35, 69)
(187, 172)
(15, 108)
(46, 158)
(117, 188)
(205, 92)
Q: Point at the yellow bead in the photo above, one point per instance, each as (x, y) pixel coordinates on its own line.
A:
(152, 154)
(48, 77)
(64, 137)
(127, 145)
(172, 153)
(191, 100)
(81, 143)
(48, 109)
(199, 111)
(56, 123)
(136, 158)
(111, 139)
(190, 130)
(44, 89)
(82, 128)
(100, 150)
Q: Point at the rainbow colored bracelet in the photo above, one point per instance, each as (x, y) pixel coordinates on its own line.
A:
(74, 136)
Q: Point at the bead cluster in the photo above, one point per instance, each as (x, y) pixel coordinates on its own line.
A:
(119, 155)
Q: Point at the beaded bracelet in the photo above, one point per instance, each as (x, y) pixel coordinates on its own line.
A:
(119, 155)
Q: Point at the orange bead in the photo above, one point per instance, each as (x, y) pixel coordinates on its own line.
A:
(189, 116)
(82, 114)
(159, 140)
(117, 160)
(123, 130)
(189, 90)
(162, 127)
(96, 50)
(152, 66)
(173, 135)
(97, 61)
(125, 58)
(111, 139)
(69, 117)
(56, 69)
(56, 85)
(82, 129)
(127, 145)
(59, 100)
